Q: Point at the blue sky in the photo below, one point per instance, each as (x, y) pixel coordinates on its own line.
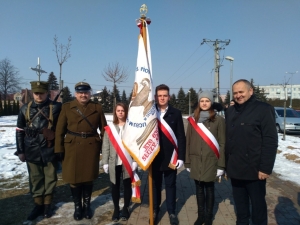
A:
(264, 40)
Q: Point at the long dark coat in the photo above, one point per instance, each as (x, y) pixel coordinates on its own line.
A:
(81, 155)
(36, 148)
(173, 117)
(251, 139)
(199, 156)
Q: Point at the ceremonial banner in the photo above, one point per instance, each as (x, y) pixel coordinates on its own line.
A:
(141, 131)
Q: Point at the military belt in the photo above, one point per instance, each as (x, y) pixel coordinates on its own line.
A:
(83, 134)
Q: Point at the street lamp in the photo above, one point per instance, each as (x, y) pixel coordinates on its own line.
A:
(231, 73)
(292, 73)
(189, 103)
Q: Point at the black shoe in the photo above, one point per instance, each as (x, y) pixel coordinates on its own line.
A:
(47, 211)
(36, 212)
(174, 220)
(125, 214)
(116, 215)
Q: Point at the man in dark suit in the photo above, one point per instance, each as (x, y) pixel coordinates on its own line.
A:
(251, 146)
(165, 165)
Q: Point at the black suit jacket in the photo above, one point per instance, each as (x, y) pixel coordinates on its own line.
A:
(173, 117)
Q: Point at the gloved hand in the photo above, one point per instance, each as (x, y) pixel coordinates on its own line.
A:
(188, 169)
(105, 167)
(134, 166)
(220, 172)
(179, 163)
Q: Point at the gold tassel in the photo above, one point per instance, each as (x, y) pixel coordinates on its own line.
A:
(172, 166)
(136, 200)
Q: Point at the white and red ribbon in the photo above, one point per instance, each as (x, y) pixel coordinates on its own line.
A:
(126, 160)
(206, 135)
(167, 130)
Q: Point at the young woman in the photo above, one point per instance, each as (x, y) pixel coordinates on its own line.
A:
(113, 165)
(205, 142)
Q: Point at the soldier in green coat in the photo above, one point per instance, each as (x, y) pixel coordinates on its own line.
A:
(35, 144)
(77, 138)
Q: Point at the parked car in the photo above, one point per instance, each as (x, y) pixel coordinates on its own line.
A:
(292, 120)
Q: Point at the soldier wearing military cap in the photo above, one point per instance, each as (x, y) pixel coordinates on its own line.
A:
(35, 145)
(77, 137)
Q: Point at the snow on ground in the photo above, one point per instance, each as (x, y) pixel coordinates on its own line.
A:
(10, 165)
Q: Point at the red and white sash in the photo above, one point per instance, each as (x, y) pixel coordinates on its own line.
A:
(167, 130)
(116, 141)
(206, 135)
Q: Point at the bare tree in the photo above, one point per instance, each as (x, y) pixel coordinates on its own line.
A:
(9, 78)
(62, 54)
(116, 74)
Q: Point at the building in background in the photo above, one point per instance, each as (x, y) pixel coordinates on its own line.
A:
(276, 91)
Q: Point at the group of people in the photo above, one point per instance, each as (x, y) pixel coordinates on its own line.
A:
(243, 146)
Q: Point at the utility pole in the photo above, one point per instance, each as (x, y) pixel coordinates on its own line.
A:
(217, 48)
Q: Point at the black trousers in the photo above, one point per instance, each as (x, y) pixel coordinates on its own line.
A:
(245, 191)
(115, 189)
(170, 186)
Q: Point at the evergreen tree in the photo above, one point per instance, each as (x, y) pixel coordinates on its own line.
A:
(181, 101)
(124, 98)
(52, 80)
(194, 99)
(172, 101)
(259, 93)
(227, 98)
(116, 94)
(105, 101)
(9, 108)
(66, 96)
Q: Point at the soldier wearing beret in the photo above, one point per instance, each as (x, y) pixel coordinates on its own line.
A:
(35, 145)
(78, 139)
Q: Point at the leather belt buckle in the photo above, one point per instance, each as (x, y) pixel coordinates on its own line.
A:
(83, 135)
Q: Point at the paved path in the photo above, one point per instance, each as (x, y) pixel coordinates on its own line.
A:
(283, 200)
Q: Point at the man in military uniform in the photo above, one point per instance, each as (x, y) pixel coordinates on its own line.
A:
(35, 145)
(78, 139)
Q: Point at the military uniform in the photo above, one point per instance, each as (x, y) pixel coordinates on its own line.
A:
(35, 140)
(78, 139)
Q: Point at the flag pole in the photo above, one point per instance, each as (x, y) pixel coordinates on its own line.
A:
(150, 180)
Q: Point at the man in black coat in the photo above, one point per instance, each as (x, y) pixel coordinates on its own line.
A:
(35, 145)
(162, 166)
(251, 146)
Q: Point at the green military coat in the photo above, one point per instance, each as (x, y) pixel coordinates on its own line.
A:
(199, 157)
(81, 155)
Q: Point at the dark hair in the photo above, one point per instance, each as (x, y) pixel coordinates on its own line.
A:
(125, 107)
(246, 82)
(211, 111)
(162, 87)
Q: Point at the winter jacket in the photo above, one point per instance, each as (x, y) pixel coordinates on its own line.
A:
(81, 154)
(35, 147)
(200, 158)
(251, 139)
(173, 117)
(110, 157)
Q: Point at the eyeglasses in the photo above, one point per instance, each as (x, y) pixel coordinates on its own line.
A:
(38, 93)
